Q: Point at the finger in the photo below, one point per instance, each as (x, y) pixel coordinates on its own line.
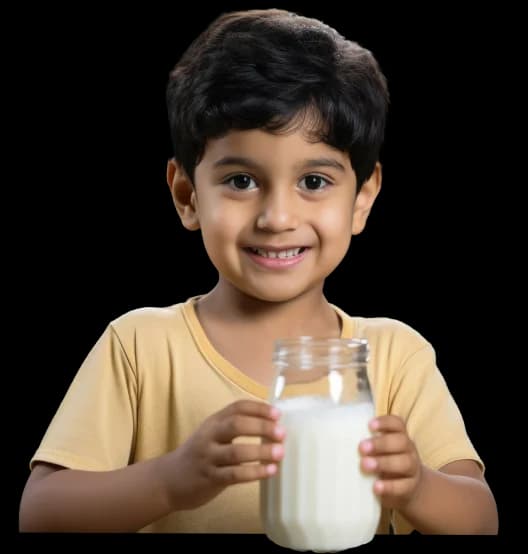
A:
(241, 425)
(387, 443)
(234, 454)
(230, 475)
(399, 465)
(388, 489)
(387, 424)
(252, 408)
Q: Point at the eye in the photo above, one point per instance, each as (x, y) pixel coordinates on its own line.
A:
(314, 182)
(240, 182)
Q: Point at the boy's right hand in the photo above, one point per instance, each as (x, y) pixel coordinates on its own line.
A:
(209, 461)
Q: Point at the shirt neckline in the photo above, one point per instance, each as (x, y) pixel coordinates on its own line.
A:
(224, 366)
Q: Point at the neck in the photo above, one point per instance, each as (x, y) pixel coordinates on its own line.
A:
(307, 314)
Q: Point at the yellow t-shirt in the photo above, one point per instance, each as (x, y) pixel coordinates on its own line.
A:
(153, 377)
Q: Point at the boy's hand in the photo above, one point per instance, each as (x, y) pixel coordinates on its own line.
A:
(392, 455)
(209, 461)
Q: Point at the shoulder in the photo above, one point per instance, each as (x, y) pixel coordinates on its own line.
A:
(386, 330)
(148, 320)
(394, 330)
(397, 342)
(393, 344)
(148, 334)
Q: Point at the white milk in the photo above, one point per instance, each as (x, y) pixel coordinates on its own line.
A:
(320, 499)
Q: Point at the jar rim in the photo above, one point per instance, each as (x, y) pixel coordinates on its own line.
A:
(318, 341)
(304, 352)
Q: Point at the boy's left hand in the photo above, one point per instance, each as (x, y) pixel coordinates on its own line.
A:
(392, 455)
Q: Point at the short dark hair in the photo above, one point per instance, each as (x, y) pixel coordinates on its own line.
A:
(273, 70)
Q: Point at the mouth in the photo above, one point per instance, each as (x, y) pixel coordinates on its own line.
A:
(276, 259)
(284, 253)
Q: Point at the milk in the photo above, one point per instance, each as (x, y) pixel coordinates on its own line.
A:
(320, 499)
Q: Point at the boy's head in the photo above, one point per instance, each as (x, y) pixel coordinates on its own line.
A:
(277, 71)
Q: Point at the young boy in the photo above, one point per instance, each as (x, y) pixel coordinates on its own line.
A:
(277, 123)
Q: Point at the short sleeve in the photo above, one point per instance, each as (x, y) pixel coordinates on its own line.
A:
(94, 426)
(434, 422)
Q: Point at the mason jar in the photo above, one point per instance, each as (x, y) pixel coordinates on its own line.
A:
(320, 499)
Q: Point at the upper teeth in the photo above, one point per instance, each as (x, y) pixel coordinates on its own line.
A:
(274, 254)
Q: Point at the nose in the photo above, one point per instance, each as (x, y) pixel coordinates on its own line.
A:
(278, 212)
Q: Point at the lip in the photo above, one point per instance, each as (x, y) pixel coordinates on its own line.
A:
(270, 248)
(276, 263)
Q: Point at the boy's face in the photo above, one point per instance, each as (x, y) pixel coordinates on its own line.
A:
(276, 212)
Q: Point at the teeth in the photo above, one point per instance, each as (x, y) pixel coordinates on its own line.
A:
(274, 254)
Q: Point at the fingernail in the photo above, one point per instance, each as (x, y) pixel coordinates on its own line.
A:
(275, 413)
(271, 469)
(374, 424)
(370, 463)
(378, 487)
(279, 431)
(277, 451)
(366, 446)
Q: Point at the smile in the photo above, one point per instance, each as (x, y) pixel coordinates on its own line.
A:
(289, 253)
(276, 259)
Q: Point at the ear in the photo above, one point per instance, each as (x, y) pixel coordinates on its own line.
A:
(183, 195)
(365, 199)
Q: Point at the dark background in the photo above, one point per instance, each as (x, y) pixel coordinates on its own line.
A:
(104, 238)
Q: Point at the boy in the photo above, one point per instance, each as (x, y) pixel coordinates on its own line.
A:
(277, 123)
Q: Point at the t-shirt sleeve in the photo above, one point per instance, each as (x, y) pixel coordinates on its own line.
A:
(433, 419)
(94, 427)
(434, 422)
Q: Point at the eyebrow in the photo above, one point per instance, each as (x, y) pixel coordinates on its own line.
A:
(309, 163)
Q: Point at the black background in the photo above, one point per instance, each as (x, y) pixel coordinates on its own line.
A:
(104, 238)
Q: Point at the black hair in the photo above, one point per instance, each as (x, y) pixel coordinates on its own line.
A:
(276, 70)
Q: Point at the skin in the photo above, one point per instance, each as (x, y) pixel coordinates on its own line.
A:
(281, 190)
(453, 500)
(266, 201)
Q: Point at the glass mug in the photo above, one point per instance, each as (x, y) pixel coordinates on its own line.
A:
(320, 499)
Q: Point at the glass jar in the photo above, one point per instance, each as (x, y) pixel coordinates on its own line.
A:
(320, 499)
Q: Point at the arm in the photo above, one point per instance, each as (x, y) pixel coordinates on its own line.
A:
(128, 499)
(453, 500)
(59, 499)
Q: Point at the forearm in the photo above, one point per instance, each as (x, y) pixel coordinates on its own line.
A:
(452, 504)
(123, 500)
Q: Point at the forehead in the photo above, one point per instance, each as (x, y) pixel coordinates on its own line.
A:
(270, 149)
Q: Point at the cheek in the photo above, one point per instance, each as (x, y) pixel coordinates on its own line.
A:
(333, 223)
(221, 222)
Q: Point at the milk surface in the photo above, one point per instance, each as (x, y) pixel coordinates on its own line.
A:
(320, 499)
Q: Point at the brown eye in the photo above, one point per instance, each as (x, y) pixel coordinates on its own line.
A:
(241, 182)
(314, 182)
